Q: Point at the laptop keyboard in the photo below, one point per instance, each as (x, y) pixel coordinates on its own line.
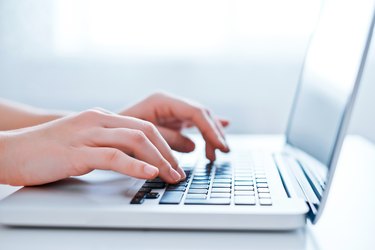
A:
(212, 184)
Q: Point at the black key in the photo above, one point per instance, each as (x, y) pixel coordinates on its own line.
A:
(181, 184)
(137, 200)
(212, 201)
(176, 188)
(156, 185)
(145, 190)
(156, 180)
(171, 197)
(140, 194)
(152, 195)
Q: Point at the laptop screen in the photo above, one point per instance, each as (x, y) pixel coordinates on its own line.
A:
(329, 81)
(330, 72)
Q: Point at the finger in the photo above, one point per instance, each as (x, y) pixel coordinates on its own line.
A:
(210, 152)
(199, 116)
(135, 142)
(176, 140)
(117, 121)
(224, 122)
(209, 130)
(221, 131)
(115, 160)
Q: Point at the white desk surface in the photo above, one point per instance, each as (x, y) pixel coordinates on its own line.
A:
(348, 221)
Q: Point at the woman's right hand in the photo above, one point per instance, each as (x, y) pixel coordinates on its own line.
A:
(77, 144)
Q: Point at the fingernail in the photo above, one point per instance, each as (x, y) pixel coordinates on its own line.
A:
(150, 170)
(224, 143)
(175, 176)
(182, 173)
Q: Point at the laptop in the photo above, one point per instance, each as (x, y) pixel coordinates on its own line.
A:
(262, 184)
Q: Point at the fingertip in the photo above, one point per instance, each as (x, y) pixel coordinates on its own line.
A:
(182, 173)
(224, 122)
(151, 171)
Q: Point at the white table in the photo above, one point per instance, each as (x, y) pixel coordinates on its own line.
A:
(348, 221)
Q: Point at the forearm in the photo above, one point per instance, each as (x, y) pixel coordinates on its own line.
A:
(15, 115)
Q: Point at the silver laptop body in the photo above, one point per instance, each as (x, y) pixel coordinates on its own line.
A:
(263, 184)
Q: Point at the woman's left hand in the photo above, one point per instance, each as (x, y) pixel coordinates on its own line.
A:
(171, 114)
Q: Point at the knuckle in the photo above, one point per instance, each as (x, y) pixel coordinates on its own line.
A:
(149, 128)
(139, 137)
(112, 155)
(90, 114)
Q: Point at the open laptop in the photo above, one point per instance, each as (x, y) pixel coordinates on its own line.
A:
(254, 187)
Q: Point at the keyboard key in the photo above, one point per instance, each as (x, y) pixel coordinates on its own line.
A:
(263, 190)
(212, 201)
(137, 200)
(196, 196)
(244, 188)
(265, 202)
(201, 174)
(244, 193)
(171, 197)
(244, 200)
(140, 194)
(145, 190)
(201, 178)
(154, 185)
(220, 190)
(261, 180)
(221, 185)
(183, 183)
(243, 178)
(197, 191)
(156, 180)
(176, 188)
(220, 195)
(152, 195)
(198, 186)
(262, 185)
(222, 180)
(264, 195)
(206, 182)
(223, 176)
(243, 183)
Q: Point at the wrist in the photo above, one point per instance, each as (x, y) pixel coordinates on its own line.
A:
(3, 157)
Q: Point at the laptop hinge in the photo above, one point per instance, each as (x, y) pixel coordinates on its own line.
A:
(296, 181)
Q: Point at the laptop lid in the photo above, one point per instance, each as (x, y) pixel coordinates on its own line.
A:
(327, 88)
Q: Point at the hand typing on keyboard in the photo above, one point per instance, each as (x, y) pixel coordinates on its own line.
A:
(40, 147)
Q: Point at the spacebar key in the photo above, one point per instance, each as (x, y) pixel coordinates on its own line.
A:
(213, 201)
(171, 197)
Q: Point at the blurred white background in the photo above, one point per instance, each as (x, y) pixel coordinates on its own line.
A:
(239, 57)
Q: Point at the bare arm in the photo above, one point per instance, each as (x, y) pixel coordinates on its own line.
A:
(15, 115)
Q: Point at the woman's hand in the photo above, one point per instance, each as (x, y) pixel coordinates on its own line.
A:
(171, 114)
(78, 144)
